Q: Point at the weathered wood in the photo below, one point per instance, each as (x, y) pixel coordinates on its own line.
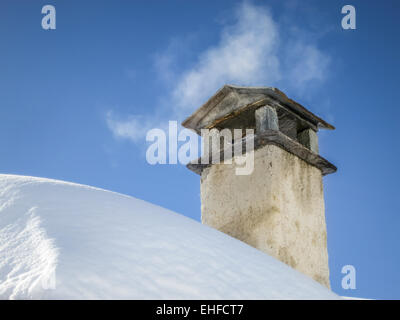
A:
(225, 121)
(266, 119)
(309, 139)
(232, 99)
(281, 140)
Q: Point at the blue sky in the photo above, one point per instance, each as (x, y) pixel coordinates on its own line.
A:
(76, 102)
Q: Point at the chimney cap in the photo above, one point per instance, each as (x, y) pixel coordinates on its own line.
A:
(230, 101)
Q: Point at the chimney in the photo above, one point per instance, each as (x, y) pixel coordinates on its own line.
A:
(279, 207)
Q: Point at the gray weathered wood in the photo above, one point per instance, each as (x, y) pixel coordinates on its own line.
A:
(281, 140)
(309, 139)
(266, 119)
(230, 100)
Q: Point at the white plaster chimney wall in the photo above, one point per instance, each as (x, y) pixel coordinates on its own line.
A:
(278, 209)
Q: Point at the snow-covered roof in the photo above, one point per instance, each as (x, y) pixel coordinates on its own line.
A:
(62, 240)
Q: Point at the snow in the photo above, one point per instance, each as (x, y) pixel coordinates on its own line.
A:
(60, 240)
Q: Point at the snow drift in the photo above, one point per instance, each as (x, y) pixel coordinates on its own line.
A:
(61, 240)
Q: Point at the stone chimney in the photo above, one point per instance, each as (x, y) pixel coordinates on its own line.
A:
(279, 207)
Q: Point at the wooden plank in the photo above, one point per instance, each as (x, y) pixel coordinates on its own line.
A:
(278, 139)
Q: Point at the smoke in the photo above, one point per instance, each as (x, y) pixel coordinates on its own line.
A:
(251, 52)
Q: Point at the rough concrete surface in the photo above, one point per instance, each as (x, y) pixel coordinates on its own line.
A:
(278, 209)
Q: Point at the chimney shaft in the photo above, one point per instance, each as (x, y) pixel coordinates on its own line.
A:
(279, 207)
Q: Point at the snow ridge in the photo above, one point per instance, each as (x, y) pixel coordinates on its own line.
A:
(28, 258)
(61, 240)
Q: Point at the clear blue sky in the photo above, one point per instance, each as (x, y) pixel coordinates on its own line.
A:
(65, 94)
